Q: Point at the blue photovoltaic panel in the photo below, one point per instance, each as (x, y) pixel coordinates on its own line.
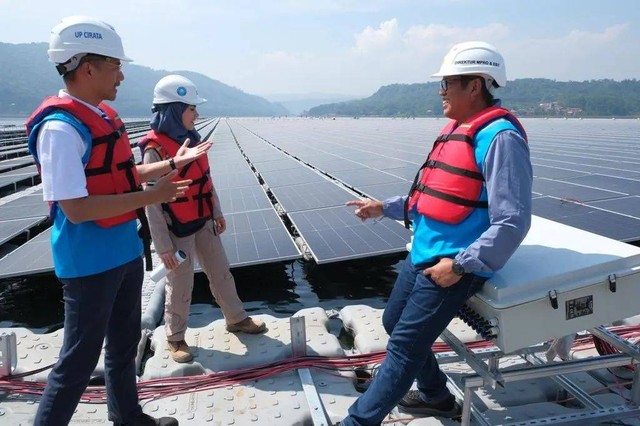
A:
(621, 171)
(628, 205)
(243, 199)
(612, 183)
(235, 180)
(275, 178)
(572, 191)
(555, 172)
(363, 177)
(279, 164)
(386, 190)
(335, 234)
(24, 207)
(33, 257)
(14, 163)
(311, 196)
(334, 164)
(12, 228)
(609, 224)
(257, 237)
(407, 173)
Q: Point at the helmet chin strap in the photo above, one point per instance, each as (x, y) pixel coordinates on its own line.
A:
(71, 64)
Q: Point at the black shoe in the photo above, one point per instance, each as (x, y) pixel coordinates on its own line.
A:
(413, 404)
(146, 420)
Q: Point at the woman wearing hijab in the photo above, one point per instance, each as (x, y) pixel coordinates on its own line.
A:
(192, 223)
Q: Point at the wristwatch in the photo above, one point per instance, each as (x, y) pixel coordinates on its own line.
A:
(457, 268)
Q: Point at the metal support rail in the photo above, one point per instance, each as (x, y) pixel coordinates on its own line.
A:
(299, 348)
(488, 375)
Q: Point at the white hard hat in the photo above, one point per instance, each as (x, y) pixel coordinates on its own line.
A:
(76, 36)
(176, 88)
(477, 58)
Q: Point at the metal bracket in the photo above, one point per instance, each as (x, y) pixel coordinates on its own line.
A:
(493, 378)
(8, 354)
(299, 348)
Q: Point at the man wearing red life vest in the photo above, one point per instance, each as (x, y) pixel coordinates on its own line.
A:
(88, 175)
(471, 208)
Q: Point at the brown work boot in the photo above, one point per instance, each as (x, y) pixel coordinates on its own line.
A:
(248, 325)
(179, 351)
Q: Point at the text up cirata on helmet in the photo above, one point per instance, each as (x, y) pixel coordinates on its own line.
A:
(477, 58)
(176, 88)
(76, 35)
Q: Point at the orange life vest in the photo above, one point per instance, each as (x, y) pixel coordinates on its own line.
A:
(110, 168)
(448, 185)
(189, 212)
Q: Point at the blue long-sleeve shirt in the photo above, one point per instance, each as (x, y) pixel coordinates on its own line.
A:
(508, 177)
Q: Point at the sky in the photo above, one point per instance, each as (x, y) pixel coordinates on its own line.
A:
(351, 47)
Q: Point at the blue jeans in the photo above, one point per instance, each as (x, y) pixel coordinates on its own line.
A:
(104, 305)
(417, 312)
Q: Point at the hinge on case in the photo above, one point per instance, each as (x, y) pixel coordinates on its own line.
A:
(553, 298)
(612, 283)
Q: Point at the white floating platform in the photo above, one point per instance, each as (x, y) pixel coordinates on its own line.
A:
(280, 400)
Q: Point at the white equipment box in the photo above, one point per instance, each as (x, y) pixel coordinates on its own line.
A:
(561, 280)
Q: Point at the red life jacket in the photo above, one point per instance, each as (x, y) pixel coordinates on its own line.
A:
(111, 168)
(189, 212)
(449, 187)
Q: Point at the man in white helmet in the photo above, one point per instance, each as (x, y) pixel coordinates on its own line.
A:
(193, 223)
(471, 208)
(93, 185)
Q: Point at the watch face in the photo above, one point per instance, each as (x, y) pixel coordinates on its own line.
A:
(457, 268)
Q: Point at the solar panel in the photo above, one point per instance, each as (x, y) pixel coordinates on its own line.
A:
(235, 180)
(13, 228)
(15, 163)
(278, 164)
(332, 164)
(310, 196)
(383, 163)
(24, 207)
(275, 178)
(572, 191)
(257, 237)
(248, 198)
(32, 257)
(336, 234)
(612, 183)
(386, 190)
(365, 176)
(551, 172)
(620, 171)
(589, 218)
(628, 205)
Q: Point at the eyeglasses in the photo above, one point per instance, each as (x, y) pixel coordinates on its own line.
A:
(107, 59)
(444, 83)
(113, 61)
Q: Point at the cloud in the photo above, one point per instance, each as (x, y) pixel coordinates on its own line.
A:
(371, 39)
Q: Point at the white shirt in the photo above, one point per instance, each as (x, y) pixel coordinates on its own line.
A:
(60, 150)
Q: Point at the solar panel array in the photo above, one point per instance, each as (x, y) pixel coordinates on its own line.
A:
(281, 180)
(314, 202)
(586, 172)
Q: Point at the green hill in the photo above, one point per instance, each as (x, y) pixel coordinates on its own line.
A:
(528, 97)
(26, 77)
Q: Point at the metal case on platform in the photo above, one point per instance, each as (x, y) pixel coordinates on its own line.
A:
(561, 280)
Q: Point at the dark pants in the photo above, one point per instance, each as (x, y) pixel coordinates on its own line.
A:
(417, 312)
(101, 307)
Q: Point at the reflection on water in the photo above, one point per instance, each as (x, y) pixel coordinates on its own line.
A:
(278, 289)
